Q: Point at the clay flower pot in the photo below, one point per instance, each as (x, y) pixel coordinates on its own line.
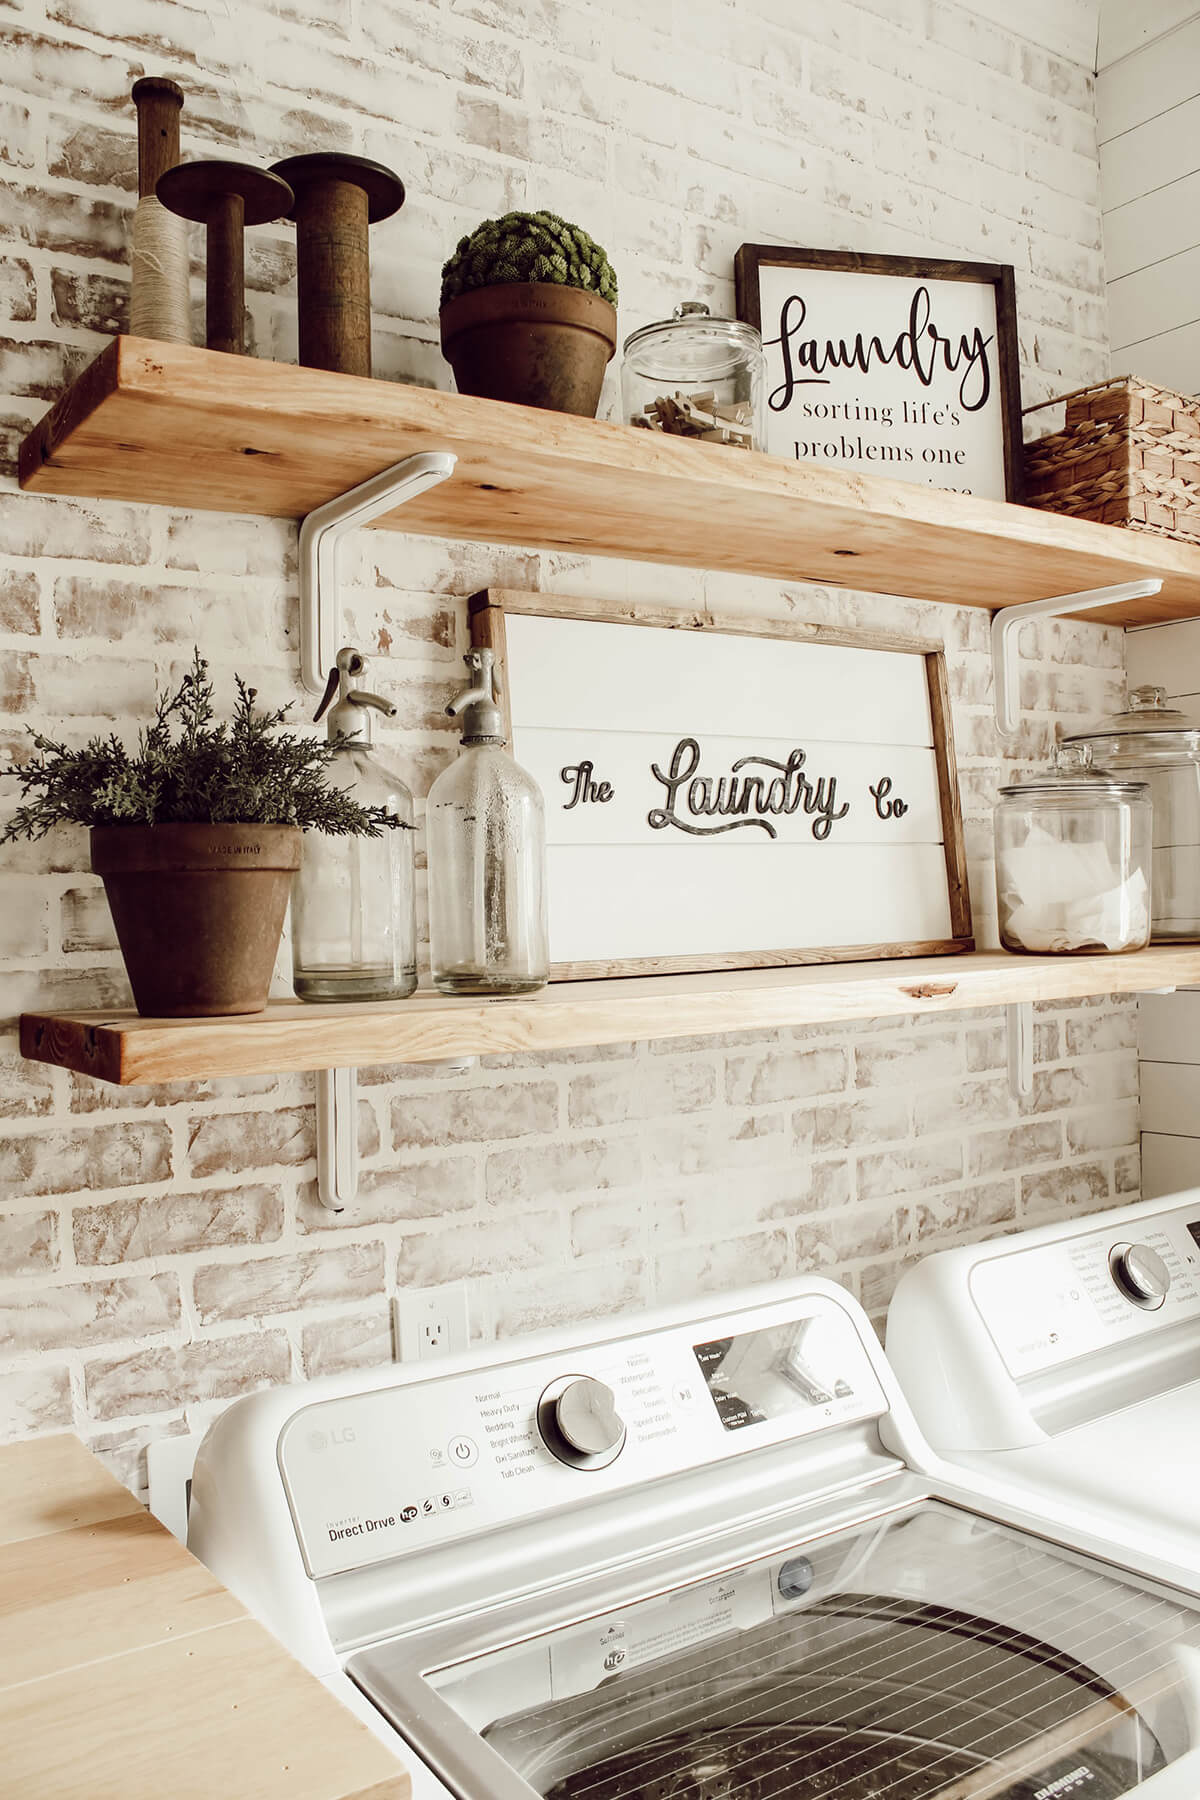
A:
(532, 342)
(198, 911)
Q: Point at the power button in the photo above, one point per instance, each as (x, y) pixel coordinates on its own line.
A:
(463, 1452)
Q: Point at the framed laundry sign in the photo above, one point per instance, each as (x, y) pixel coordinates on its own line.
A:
(902, 366)
(727, 794)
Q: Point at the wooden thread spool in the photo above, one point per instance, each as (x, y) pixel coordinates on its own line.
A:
(159, 302)
(225, 197)
(159, 102)
(337, 198)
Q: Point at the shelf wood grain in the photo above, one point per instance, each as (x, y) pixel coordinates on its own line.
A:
(124, 1048)
(171, 425)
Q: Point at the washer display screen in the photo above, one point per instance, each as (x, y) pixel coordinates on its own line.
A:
(773, 1373)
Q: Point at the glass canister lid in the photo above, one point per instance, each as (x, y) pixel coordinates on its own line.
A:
(1147, 723)
(692, 346)
(1073, 778)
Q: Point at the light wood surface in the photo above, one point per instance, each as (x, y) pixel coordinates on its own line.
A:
(123, 1048)
(54, 1486)
(174, 425)
(127, 1672)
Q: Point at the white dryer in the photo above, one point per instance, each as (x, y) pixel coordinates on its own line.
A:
(699, 1555)
(1064, 1364)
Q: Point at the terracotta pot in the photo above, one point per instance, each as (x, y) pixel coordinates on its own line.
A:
(198, 911)
(532, 342)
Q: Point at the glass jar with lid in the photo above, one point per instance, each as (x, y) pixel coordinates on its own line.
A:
(695, 376)
(1153, 742)
(1073, 859)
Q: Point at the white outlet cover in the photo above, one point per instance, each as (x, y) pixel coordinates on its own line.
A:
(419, 1308)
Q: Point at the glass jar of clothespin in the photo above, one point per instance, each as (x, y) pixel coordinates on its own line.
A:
(694, 376)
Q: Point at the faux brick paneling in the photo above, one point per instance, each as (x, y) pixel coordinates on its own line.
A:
(479, 1116)
(33, 1400)
(161, 1249)
(160, 1379)
(126, 1231)
(64, 1161)
(81, 1314)
(18, 601)
(285, 1284)
(355, 1341)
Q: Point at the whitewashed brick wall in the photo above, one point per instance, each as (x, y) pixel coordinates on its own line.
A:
(160, 1249)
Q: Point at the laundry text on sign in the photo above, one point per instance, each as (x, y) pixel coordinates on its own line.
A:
(743, 799)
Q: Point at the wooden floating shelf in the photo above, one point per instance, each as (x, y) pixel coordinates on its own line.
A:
(123, 1048)
(167, 424)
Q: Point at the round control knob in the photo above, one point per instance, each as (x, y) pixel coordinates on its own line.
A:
(579, 1423)
(1140, 1273)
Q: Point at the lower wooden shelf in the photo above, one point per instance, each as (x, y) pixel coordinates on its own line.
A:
(124, 1048)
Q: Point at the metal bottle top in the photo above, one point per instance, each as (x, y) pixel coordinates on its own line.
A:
(482, 719)
(350, 721)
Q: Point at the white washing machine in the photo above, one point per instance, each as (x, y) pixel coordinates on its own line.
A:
(1064, 1364)
(700, 1555)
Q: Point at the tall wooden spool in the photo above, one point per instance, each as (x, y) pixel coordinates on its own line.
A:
(337, 198)
(159, 303)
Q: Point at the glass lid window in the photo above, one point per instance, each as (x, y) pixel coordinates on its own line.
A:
(930, 1655)
(769, 1374)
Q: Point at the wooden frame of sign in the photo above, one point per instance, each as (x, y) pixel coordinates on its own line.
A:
(918, 380)
(710, 783)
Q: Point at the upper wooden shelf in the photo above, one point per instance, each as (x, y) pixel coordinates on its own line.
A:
(123, 1048)
(177, 426)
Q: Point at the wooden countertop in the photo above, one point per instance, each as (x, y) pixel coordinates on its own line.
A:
(127, 1672)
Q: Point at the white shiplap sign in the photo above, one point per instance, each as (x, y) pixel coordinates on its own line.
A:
(729, 798)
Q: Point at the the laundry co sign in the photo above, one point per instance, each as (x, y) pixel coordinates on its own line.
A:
(725, 797)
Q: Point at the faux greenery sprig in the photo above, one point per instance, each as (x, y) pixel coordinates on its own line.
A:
(188, 771)
(524, 246)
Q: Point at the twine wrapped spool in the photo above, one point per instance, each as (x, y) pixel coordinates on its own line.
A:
(159, 300)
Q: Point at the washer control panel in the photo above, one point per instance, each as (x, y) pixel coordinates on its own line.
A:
(403, 1468)
(1046, 1304)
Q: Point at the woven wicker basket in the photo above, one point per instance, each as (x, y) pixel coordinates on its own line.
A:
(1128, 454)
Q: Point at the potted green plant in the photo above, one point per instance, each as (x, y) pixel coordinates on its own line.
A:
(529, 313)
(196, 835)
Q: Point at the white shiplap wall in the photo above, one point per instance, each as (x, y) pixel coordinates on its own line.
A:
(1169, 1025)
(1148, 114)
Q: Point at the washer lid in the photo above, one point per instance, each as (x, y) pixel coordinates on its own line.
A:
(926, 1653)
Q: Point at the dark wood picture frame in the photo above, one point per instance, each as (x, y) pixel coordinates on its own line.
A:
(750, 258)
(487, 611)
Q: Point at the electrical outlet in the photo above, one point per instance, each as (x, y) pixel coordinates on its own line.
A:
(430, 1322)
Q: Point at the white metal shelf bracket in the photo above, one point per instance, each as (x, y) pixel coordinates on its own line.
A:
(1006, 625)
(322, 532)
(337, 1137)
(1020, 1048)
(337, 1129)
(321, 535)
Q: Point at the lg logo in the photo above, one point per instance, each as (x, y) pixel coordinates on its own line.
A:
(319, 1441)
